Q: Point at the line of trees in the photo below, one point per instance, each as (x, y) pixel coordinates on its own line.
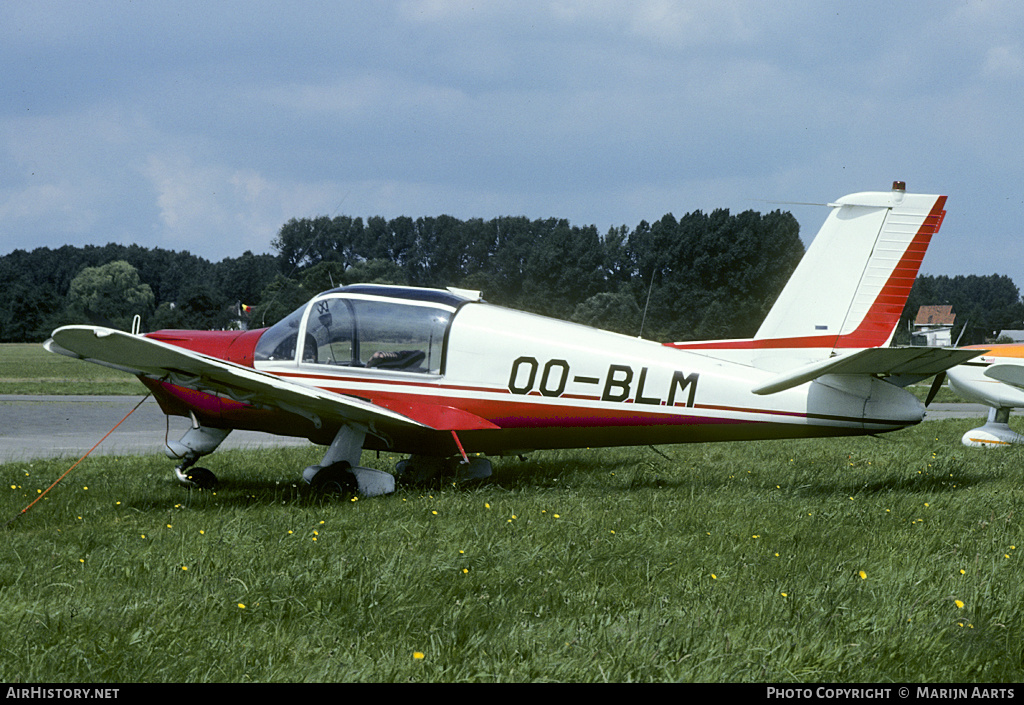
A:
(704, 275)
(45, 288)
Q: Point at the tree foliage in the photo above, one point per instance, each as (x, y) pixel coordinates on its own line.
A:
(714, 275)
(699, 276)
(36, 296)
(616, 312)
(110, 295)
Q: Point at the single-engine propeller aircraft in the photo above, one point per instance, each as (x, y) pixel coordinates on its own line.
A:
(995, 379)
(440, 374)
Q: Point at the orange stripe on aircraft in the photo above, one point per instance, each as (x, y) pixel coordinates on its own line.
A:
(1013, 350)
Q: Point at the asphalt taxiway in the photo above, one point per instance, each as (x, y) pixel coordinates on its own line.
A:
(57, 426)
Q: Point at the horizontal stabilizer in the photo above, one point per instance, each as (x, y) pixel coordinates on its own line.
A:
(880, 362)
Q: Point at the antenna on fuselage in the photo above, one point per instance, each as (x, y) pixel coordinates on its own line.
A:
(643, 320)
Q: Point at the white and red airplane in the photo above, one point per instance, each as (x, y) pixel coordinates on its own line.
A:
(440, 374)
(995, 379)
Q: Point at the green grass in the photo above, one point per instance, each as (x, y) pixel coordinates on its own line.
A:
(733, 562)
(26, 368)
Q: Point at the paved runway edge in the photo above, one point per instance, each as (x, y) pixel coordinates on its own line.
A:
(54, 426)
(34, 427)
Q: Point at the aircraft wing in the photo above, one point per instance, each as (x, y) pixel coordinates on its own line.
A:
(157, 360)
(1007, 373)
(920, 362)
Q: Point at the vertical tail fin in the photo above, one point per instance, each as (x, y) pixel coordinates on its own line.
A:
(849, 290)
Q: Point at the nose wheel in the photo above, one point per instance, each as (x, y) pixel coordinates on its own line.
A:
(196, 477)
(197, 442)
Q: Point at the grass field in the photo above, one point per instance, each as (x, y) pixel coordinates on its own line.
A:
(845, 560)
(26, 368)
(848, 560)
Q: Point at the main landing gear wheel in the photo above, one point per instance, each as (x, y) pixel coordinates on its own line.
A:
(423, 470)
(419, 470)
(343, 477)
(334, 478)
(199, 478)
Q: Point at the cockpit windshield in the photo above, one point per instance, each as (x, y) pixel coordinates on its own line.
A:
(361, 331)
(278, 342)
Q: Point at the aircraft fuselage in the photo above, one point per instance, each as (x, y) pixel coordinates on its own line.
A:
(531, 382)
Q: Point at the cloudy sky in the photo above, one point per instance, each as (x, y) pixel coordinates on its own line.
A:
(204, 126)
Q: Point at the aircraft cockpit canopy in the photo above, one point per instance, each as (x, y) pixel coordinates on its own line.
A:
(382, 327)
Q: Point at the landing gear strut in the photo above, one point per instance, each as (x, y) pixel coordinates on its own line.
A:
(996, 432)
(340, 471)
